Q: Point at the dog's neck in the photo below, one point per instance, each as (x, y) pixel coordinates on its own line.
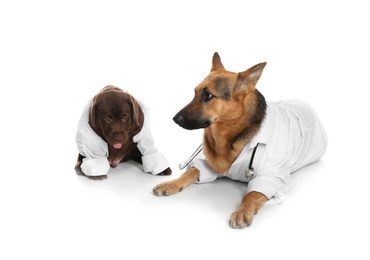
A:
(223, 141)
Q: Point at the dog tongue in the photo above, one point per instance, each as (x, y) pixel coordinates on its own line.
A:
(117, 146)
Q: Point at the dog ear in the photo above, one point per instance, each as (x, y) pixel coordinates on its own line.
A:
(247, 80)
(92, 117)
(135, 110)
(216, 62)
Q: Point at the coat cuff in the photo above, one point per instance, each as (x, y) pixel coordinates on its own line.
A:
(206, 174)
(154, 163)
(268, 187)
(95, 167)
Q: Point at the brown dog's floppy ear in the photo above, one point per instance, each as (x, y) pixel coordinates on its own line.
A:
(216, 62)
(93, 109)
(135, 110)
(247, 80)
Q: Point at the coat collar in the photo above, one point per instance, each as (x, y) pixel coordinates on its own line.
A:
(265, 131)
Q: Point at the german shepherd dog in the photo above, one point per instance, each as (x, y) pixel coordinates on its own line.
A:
(231, 110)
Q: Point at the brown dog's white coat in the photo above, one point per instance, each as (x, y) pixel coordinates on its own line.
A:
(112, 130)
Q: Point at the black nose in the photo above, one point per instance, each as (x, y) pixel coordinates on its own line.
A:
(118, 137)
(190, 123)
(179, 119)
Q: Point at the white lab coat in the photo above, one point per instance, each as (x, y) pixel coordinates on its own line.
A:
(291, 137)
(95, 149)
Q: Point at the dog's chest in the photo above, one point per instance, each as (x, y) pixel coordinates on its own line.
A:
(118, 155)
(221, 160)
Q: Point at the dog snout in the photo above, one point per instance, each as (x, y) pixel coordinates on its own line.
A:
(179, 119)
(190, 123)
(119, 137)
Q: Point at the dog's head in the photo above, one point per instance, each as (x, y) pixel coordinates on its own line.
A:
(221, 97)
(115, 116)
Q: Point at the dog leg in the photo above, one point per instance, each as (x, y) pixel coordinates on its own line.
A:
(250, 205)
(79, 171)
(97, 178)
(177, 185)
(166, 172)
(78, 165)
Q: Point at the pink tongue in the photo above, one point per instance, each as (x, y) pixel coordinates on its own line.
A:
(117, 146)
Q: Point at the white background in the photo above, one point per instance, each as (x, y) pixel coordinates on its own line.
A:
(55, 55)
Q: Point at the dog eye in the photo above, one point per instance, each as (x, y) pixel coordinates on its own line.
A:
(108, 120)
(206, 96)
(124, 118)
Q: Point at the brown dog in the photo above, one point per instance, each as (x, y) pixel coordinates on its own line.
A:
(236, 120)
(116, 117)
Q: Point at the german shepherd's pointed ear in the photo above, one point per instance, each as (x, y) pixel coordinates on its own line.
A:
(247, 80)
(216, 62)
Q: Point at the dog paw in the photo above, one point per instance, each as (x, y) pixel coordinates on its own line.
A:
(79, 172)
(78, 169)
(166, 189)
(97, 178)
(166, 172)
(241, 219)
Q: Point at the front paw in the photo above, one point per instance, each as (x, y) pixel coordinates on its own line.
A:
(241, 218)
(166, 172)
(97, 178)
(167, 188)
(78, 169)
(80, 172)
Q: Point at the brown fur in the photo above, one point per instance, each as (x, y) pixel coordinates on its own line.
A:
(116, 117)
(231, 110)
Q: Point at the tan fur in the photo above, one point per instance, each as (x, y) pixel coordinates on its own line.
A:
(177, 185)
(250, 205)
(230, 112)
(216, 141)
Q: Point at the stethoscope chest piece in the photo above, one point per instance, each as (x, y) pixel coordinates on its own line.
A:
(250, 172)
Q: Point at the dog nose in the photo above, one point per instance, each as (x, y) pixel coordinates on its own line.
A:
(179, 119)
(118, 137)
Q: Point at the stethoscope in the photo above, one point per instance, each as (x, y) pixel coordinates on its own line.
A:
(248, 173)
(197, 151)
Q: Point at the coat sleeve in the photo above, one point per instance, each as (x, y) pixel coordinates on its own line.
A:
(95, 167)
(153, 161)
(206, 174)
(91, 146)
(273, 182)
